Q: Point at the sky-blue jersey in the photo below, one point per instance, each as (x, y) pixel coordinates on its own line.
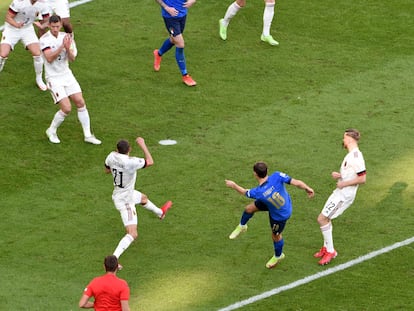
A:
(274, 194)
(178, 5)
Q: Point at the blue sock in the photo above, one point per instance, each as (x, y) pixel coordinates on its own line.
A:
(278, 247)
(165, 47)
(245, 218)
(179, 56)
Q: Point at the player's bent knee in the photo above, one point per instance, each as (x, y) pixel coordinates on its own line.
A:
(322, 220)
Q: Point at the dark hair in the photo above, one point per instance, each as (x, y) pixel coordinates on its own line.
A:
(123, 146)
(260, 168)
(54, 19)
(354, 133)
(111, 263)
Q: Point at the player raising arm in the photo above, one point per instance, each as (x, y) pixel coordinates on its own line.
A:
(123, 168)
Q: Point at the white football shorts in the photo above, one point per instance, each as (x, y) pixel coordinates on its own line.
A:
(12, 35)
(60, 7)
(336, 204)
(63, 86)
(125, 204)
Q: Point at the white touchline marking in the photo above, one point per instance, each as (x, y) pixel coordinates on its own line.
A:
(316, 276)
(71, 5)
(79, 2)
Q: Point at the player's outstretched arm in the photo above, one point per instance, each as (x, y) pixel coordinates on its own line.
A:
(147, 155)
(300, 184)
(233, 185)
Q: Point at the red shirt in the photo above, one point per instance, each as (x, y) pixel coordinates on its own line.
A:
(108, 291)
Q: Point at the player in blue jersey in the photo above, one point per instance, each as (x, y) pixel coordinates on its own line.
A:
(271, 196)
(174, 13)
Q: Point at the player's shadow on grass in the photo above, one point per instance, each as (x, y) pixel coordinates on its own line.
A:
(394, 197)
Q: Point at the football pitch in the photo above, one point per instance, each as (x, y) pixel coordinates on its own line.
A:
(339, 65)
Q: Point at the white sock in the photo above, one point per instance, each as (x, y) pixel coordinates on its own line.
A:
(84, 120)
(2, 62)
(57, 120)
(123, 245)
(327, 237)
(268, 14)
(230, 13)
(153, 208)
(38, 66)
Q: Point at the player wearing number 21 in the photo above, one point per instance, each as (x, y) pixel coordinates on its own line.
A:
(124, 172)
(271, 196)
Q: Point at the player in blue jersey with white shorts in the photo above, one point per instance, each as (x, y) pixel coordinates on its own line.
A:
(271, 196)
(174, 13)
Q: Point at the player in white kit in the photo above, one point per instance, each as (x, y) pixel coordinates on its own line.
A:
(352, 174)
(58, 49)
(19, 27)
(124, 172)
(61, 8)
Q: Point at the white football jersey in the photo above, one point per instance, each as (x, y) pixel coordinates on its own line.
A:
(26, 12)
(124, 171)
(60, 65)
(352, 165)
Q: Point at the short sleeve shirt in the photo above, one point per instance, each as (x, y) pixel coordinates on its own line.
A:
(274, 195)
(352, 166)
(27, 12)
(60, 66)
(178, 5)
(108, 291)
(124, 171)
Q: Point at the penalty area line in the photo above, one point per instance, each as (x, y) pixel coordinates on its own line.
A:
(318, 275)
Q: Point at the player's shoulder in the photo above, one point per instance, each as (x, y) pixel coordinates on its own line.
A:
(356, 153)
(42, 3)
(279, 174)
(17, 4)
(46, 38)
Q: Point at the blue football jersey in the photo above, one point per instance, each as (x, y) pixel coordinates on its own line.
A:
(178, 5)
(274, 195)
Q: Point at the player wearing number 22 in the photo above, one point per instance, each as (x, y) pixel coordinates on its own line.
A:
(271, 196)
(352, 174)
(124, 171)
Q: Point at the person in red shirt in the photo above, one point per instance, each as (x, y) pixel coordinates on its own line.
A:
(109, 291)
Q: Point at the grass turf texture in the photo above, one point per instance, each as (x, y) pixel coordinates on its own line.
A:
(338, 66)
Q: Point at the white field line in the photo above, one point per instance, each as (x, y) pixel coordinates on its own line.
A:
(71, 5)
(316, 276)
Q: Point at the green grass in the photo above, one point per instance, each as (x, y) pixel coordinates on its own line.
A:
(339, 65)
